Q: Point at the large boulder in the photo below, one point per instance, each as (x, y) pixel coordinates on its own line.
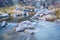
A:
(23, 26)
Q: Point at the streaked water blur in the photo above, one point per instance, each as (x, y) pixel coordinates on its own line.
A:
(45, 31)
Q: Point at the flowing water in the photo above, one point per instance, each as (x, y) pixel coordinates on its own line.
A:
(45, 31)
(16, 3)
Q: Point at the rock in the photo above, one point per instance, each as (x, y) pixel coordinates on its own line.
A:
(3, 24)
(58, 20)
(50, 17)
(24, 26)
(57, 12)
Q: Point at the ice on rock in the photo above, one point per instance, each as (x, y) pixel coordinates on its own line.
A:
(3, 24)
(25, 25)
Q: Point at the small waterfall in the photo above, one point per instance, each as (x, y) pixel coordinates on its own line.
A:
(16, 3)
